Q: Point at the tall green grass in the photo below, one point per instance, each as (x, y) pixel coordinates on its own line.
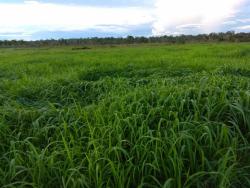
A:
(142, 116)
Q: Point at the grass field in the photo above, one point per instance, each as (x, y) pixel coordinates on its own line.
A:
(126, 116)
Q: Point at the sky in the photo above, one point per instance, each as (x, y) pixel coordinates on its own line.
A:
(46, 19)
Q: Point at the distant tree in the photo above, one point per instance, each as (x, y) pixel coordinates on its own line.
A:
(130, 39)
(229, 36)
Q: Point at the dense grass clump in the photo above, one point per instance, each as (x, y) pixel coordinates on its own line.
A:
(142, 116)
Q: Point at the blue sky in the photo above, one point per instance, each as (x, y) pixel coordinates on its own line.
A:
(45, 19)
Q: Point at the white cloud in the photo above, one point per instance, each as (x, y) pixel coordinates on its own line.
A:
(17, 35)
(33, 16)
(245, 20)
(207, 14)
(167, 17)
(245, 28)
(230, 22)
(188, 26)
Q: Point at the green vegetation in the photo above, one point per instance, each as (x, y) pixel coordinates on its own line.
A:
(229, 36)
(128, 116)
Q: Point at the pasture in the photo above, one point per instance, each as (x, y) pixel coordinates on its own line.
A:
(125, 116)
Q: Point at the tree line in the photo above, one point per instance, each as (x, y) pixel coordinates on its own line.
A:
(229, 36)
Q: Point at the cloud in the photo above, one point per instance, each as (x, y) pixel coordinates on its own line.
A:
(208, 15)
(230, 22)
(106, 3)
(188, 26)
(245, 20)
(30, 17)
(245, 28)
(33, 16)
